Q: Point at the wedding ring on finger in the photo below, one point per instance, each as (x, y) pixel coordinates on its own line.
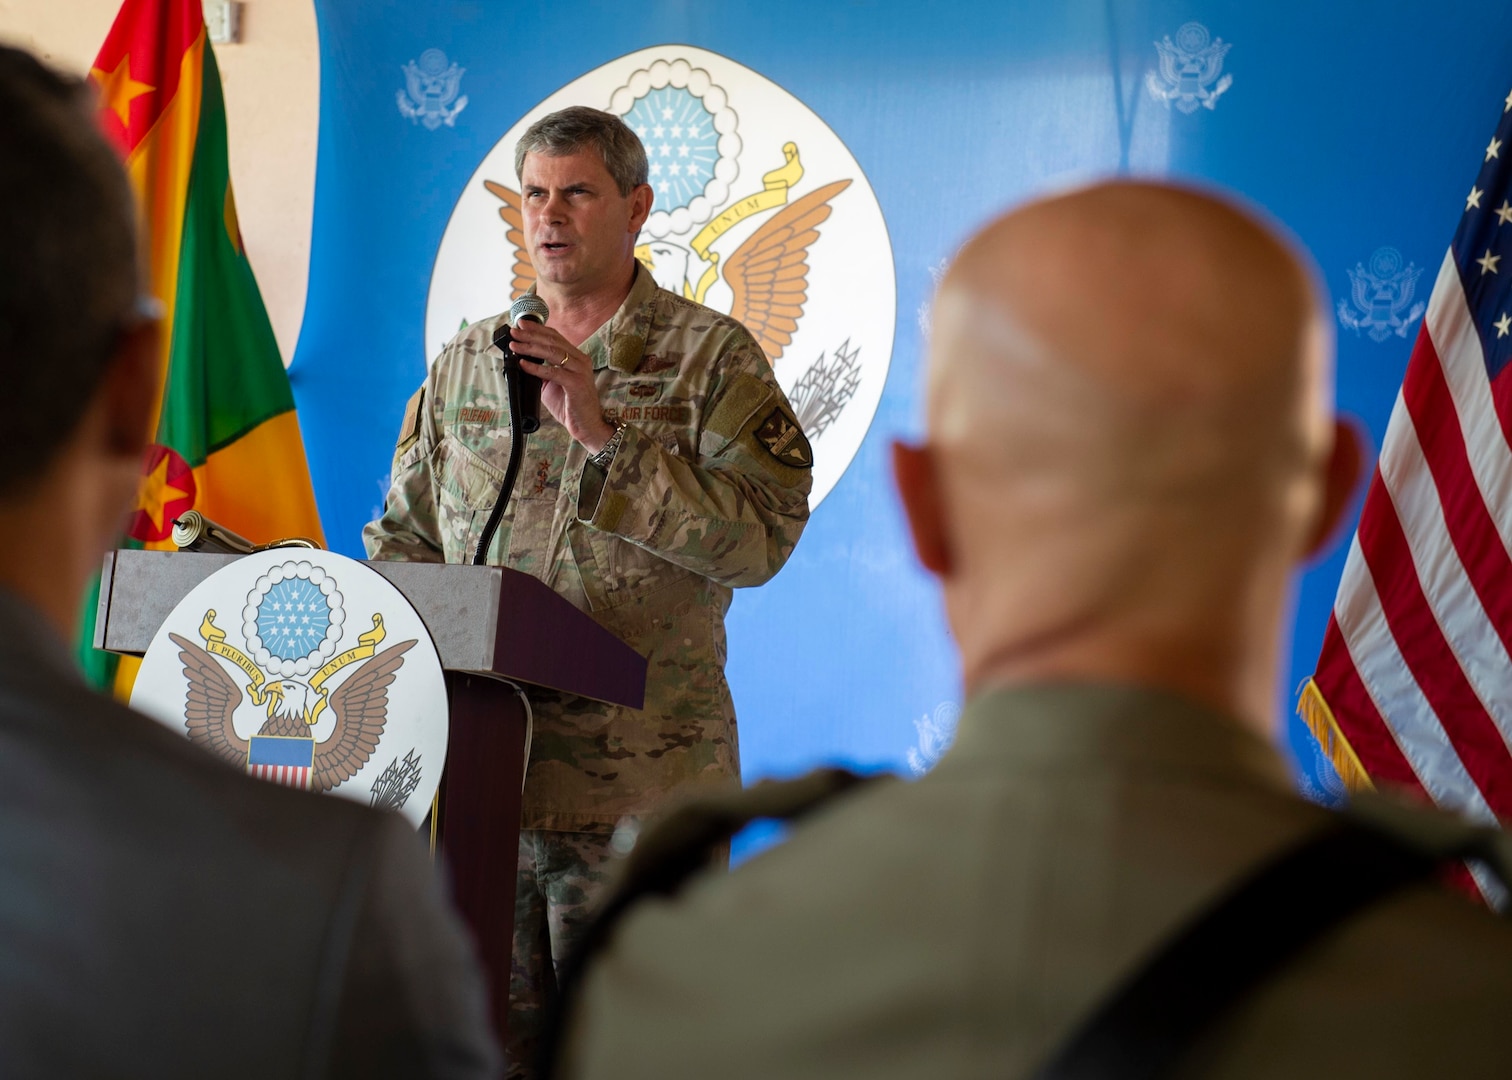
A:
(563, 361)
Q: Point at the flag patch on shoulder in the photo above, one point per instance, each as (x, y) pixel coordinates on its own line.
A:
(409, 431)
(785, 439)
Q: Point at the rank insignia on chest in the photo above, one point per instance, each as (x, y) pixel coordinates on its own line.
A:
(785, 439)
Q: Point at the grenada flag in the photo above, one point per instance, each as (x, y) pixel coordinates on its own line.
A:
(227, 441)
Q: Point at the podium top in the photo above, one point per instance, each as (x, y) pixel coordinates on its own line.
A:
(485, 619)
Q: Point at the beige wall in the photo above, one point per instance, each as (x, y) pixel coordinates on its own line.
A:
(272, 83)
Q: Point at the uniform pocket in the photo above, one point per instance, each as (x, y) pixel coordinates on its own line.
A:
(467, 488)
(464, 474)
(623, 571)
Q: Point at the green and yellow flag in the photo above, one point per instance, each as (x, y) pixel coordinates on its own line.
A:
(227, 442)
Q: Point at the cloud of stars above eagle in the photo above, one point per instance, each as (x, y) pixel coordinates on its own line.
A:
(681, 144)
(293, 619)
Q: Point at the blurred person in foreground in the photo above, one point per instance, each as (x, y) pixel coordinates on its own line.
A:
(162, 915)
(1130, 449)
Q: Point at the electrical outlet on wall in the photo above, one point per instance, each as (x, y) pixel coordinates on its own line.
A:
(223, 21)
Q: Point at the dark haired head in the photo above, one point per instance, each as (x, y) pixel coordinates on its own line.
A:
(570, 130)
(70, 286)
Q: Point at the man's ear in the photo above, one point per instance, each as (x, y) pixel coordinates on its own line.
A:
(1342, 478)
(131, 388)
(641, 198)
(915, 472)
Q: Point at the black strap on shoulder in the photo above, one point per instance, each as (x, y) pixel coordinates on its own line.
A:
(665, 857)
(1144, 1028)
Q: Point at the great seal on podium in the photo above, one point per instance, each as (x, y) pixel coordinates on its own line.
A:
(308, 669)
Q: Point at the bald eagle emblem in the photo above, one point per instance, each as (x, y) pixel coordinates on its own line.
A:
(292, 622)
(1382, 296)
(1190, 68)
(760, 213)
(430, 93)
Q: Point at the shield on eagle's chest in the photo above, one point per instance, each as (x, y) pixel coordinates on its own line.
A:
(282, 760)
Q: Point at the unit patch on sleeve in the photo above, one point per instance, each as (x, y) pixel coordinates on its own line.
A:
(785, 439)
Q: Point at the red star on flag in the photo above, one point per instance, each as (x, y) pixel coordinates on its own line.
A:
(166, 491)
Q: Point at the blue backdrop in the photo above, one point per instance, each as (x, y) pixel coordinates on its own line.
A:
(1359, 126)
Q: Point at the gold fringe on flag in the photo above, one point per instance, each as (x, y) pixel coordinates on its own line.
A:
(1319, 718)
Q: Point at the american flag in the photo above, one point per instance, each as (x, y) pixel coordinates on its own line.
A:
(282, 760)
(1414, 682)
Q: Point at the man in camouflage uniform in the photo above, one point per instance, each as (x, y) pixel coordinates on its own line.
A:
(669, 471)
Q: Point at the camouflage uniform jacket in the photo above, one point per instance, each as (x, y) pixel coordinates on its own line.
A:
(708, 491)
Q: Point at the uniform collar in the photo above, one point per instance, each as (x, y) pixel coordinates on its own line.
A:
(621, 342)
(1107, 728)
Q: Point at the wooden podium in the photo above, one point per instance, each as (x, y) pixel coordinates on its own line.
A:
(495, 629)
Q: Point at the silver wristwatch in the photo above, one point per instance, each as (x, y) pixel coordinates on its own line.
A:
(605, 457)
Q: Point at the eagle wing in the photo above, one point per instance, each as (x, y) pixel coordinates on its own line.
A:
(1167, 54)
(210, 703)
(1409, 283)
(412, 82)
(768, 274)
(1359, 289)
(524, 269)
(361, 708)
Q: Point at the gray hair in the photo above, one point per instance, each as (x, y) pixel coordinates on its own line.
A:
(569, 130)
(67, 228)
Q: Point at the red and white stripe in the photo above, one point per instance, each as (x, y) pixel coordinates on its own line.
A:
(294, 776)
(1416, 661)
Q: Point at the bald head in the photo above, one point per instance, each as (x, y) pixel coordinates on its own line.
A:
(1131, 341)
(1129, 426)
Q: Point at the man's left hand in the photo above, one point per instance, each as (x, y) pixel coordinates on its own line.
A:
(568, 389)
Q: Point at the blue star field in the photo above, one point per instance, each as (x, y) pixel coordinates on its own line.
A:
(293, 618)
(681, 144)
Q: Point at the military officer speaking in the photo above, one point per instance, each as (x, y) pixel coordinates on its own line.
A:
(670, 470)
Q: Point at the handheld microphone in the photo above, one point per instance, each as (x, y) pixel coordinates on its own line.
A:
(524, 393)
(530, 306)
